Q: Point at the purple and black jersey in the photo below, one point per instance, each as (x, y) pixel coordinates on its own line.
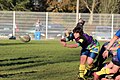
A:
(82, 41)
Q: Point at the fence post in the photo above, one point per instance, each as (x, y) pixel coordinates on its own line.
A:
(80, 15)
(112, 32)
(46, 25)
(13, 24)
(77, 11)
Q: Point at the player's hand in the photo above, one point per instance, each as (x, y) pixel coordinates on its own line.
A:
(63, 43)
(105, 54)
(63, 40)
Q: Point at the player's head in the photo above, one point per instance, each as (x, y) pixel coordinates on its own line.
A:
(77, 32)
(81, 22)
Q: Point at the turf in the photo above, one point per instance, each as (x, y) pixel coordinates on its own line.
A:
(38, 60)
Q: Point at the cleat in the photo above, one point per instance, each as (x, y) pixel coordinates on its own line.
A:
(96, 77)
(89, 73)
(85, 71)
(81, 78)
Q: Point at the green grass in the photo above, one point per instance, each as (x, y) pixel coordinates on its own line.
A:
(37, 60)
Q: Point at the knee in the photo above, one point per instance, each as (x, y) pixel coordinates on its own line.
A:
(82, 59)
(89, 61)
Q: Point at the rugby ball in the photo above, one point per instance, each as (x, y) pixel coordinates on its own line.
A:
(25, 38)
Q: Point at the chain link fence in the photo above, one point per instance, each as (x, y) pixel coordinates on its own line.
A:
(101, 26)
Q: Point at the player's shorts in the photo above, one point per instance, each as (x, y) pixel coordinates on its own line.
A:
(116, 61)
(88, 53)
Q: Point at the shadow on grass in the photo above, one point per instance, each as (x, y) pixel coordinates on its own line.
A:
(41, 63)
(8, 75)
(7, 44)
(35, 63)
(20, 58)
(22, 43)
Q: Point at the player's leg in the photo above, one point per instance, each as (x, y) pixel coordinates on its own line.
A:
(83, 58)
(110, 65)
(108, 70)
(92, 56)
(89, 63)
(94, 51)
(111, 76)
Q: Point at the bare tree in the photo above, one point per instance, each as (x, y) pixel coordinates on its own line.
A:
(109, 6)
(90, 5)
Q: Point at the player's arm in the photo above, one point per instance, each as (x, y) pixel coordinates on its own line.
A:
(114, 48)
(64, 40)
(105, 53)
(111, 42)
(77, 44)
(116, 36)
(72, 45)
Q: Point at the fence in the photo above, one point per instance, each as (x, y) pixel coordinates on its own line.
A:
(101, 26)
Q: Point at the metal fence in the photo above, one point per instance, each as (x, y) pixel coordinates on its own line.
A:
(101, 26)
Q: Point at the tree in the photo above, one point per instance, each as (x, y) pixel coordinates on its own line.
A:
(61, 5)
(38, 5)
(90, 5)
(14, 5)
(21, 5)
(5, 4)
(109, 6)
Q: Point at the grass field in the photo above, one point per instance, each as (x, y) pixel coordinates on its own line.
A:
(37, 60)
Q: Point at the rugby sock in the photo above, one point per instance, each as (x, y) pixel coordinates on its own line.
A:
(81, 70)
(107, 71)
(88, 67)
(85, 71)
(103, 71)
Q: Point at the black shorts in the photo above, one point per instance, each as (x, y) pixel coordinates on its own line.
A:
(116, 61)
(88, 53)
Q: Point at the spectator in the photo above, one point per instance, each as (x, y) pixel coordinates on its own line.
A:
(38, 25)
(38, 29)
